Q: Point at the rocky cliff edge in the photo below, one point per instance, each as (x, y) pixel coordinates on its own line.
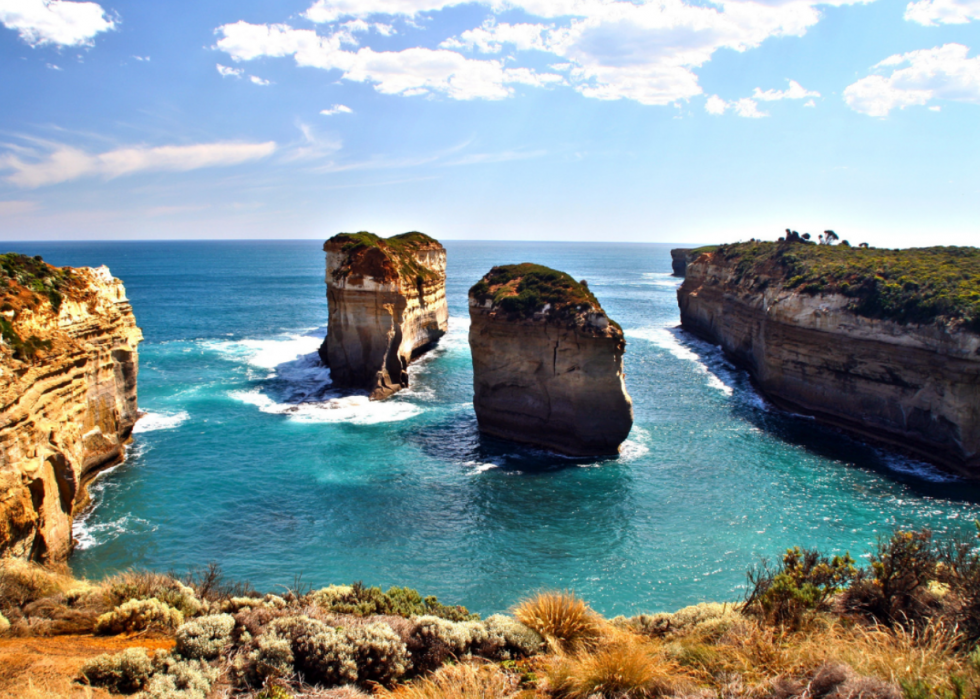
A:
(882, 343)
(68, 366)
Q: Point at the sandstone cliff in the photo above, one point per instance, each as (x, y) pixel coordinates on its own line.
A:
(547, 362)
(827, 333)
(387, 305)
(68, 364)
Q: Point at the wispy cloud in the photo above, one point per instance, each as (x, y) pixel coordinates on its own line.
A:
(337, 109)
(63, 163)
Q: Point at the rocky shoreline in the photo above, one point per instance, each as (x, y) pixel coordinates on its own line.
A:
(915, 386)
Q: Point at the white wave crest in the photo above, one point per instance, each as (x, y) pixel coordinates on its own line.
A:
(636, 446)
(151, 422)
(356, 410)
(269, 354)
(665, 339)
(478, 467)
(90, 535)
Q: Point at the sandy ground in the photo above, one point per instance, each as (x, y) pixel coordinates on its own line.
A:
(35, 668)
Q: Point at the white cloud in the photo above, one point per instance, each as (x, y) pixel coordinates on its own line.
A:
(715, 105)
(142, 58)
(795, 92)
(62, 163)
(227, 72)
(934, 12)
(745, 107)
(611, 49)
(59, 22)
(943, 72)
(53, 66)
(256, 80)
(810, 103)
(337, 109)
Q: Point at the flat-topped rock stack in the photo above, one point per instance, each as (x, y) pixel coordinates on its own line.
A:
(68, 366)
(547, 362)
(387, 305)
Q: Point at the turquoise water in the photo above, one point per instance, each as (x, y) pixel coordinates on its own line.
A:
(247, 458)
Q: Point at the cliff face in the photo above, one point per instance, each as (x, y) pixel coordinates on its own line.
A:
(916, 386)
(387, 305)
(547, 363)
(67, 402)
(678, 260)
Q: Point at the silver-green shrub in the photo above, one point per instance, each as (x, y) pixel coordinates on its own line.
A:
(4, 624)
(237, 604)
(326, 656)
(204, 638)
(122, 673)
(457, 636)
(180, 679)
(379, 653)
(709, 619)
(326, 596)
(272, 658)
(507, 638)
(139, 615)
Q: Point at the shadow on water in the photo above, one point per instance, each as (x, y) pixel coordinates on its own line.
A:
(458, 439)
(827, 442)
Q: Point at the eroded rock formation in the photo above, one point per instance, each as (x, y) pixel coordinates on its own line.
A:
(547, 362)
(67, 397)
(678, 260)
(915, 386)
(387, 305)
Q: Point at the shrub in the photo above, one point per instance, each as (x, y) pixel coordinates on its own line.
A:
(122, 673)
(272, 658)
(508, 638)
(379, 654)
(144, 585)
(4, 624)
(139, 615)
(181, 679)
(397, 601)
(564, 621)
(234, 605)
(205, 638)
(433, 640)
(708, 620)
(896, 589)
(803, 583)
(959, 570)
(22, 583)
(459, 682)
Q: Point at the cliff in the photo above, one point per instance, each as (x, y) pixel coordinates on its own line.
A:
(387, 305)
(680, 258)
(67, 400)
(881, 343)
(547, 362)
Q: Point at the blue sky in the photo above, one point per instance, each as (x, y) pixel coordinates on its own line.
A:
(669, 121)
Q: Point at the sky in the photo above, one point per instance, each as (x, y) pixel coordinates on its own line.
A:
(681, 121)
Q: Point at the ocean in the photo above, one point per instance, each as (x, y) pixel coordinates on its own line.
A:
(247, 458)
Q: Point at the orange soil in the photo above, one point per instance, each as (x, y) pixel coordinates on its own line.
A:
(38, 668)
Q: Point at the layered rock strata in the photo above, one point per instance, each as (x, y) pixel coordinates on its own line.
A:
(387, 305)
(67, 397)
(914, 386)
(547, 363)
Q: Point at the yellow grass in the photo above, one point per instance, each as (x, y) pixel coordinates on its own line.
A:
(563, 620)
(459, 682)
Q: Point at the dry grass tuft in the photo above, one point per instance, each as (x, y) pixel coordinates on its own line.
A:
(563, 620)
(22, 583)
(626, 666)
(460, 682)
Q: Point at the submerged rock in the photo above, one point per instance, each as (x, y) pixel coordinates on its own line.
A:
(387, 304)
(547, 362)
(68, 366)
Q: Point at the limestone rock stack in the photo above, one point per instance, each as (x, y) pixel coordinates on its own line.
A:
(387, 305)
(68, 365)
(547, 362)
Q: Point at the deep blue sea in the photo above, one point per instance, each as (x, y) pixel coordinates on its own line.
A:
(246, 457)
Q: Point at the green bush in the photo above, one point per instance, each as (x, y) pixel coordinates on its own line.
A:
(802, 583)
(524, 289)
(177, 678)
(397, 601)
(144, 585)
(379, 654)
(508, 638)
(122, 673)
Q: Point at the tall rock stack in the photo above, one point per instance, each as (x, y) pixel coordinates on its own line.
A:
(387, 305)
(68, 365)
(547, 362)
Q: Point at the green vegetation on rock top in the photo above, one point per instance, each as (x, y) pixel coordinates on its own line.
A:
(918, 285)
(400, 249)
(24, 282)
(524, 289)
